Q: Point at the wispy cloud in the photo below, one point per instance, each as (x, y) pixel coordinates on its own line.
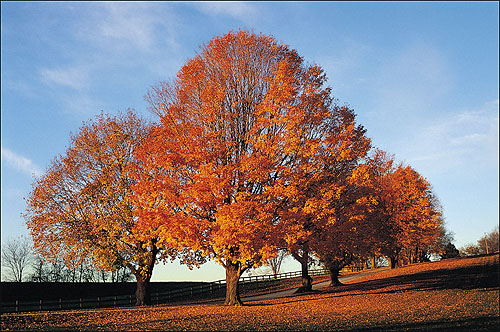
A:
(238, 10)
(413, 79)
(81, 104)
(124, 26)
(345, 67)
(73, 77)
(465, 138)
(20, 163)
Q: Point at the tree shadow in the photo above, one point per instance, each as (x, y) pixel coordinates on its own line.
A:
(459, 325)
(486, 277)
(467, 278)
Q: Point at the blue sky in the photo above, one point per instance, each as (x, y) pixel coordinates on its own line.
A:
(422, 78)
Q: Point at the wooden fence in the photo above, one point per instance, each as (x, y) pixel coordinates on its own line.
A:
(206, 290)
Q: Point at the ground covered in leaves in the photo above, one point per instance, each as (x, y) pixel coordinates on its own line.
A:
(459, 294)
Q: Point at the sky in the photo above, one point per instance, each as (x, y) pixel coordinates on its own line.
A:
(422, 78)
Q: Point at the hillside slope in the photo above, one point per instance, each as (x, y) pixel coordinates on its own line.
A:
(458, 294)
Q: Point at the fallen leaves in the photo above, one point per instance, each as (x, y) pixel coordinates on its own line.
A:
(370, 302)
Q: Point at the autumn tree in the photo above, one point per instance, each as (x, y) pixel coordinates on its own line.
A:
(82, 206)
(419, 215)
(373, 175)
(346, 229)
(239, 128)
(409, 213)
(326, 193)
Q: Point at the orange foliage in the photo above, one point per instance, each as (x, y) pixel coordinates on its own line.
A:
(325, 216)
(408, 212)
(83, 207)
(241, 128)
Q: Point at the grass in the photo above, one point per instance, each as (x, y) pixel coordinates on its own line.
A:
(456, 294)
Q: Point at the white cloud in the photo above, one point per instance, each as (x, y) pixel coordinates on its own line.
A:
(73, 77)
(81, 104)
(127, 24)
(20, 163)
(468, 138)
(413, 80)
(474, 138)
(120, 26)
(237, 10)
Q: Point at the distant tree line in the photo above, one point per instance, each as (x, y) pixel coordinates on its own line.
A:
(21, 264)
(487, 244)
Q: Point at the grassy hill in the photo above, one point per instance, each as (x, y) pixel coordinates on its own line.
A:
(455, 294)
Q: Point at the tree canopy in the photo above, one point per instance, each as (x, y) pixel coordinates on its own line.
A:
(83, 205)
(244, 127)
(251, 156)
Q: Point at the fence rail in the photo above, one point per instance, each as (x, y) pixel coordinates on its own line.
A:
(207, 290)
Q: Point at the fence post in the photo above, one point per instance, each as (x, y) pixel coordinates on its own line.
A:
(98, 301)
(17, 305)
(60, 303)
(130, 299)
(114, 301)
(40, 304)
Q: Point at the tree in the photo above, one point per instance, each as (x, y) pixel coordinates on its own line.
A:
(82, 207)
(16, 256)
(489, 242)
(485, 245)
(57, 271)
(443, 246)
(352, 228)
(375, 177)
(238, 128)
(275, 262)
(326, 192)
(412, 213)
(470, 250)
(323, 188)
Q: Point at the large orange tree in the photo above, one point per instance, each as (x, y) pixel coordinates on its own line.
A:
(82, 207)
(241, 125)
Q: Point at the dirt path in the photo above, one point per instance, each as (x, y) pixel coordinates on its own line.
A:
(316, 286)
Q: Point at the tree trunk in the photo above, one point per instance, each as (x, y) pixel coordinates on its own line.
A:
(142, 293)
(233, 273)
(393, 261)
(373, 259)
(306, 279)
(334, 277)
